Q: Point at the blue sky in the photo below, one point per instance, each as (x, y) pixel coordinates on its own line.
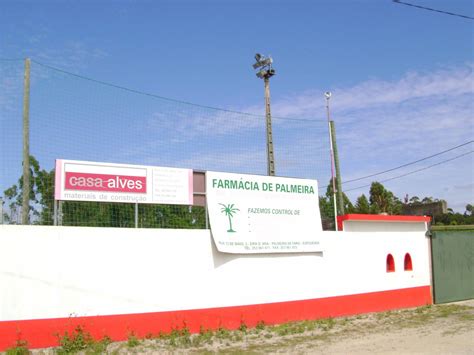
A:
(401, 79)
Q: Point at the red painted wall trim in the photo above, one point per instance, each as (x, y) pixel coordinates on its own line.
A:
(379, 218)
(43, 332)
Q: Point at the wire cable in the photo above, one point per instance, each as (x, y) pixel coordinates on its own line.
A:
(407, 164)
(415, 171)
(434, 10)
(167, 98)
(11, 59)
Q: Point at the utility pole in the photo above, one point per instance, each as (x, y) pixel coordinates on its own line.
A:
(327, 94)
(268, 116)
(25, 209)
(265, 73)
(340, 199)
(1, 210)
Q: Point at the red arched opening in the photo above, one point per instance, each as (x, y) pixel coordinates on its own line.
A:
(390, 263)
(407, 263)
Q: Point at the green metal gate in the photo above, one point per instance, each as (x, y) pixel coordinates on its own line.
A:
(453, 263)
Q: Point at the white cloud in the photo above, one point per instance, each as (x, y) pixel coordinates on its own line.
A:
(373, 93)
(380, 124)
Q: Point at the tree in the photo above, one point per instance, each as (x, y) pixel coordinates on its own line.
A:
(427, 200)
(11, 199)
(326, 207)
(469, 210)
(40, 196)
(362, 205)
(383, 201)
(452, 218)
(348, 206)
(80, 213)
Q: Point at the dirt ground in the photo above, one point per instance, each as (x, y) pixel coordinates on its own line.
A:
(440, 329)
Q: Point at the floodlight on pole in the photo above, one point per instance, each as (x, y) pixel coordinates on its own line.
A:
(264, 64)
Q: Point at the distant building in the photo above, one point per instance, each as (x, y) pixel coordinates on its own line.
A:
(425, 209)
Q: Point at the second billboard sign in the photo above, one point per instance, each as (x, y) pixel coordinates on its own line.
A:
(107, 182)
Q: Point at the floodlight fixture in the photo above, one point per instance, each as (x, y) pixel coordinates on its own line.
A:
(262, 61)
(327, 94)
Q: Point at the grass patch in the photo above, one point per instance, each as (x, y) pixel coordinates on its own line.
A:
(20, 348)
(292, 336)
(132, 340)
(77, 340)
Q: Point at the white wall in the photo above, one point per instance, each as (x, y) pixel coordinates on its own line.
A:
(48, 272)
(383, 226)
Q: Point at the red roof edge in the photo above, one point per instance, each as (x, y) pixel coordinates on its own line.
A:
(379, 218)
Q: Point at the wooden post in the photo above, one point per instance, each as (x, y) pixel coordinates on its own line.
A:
(340, 200)
(25, 210)
(268, 115)
(136, 215)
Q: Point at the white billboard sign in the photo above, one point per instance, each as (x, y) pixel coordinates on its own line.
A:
(263, 214)
(107, 182)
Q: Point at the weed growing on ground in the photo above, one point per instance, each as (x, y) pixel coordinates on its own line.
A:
(78, 340)
(99, 347)
(20, 348)
(326, 324)
(222, 333)
(173, 337)
(383, 315)
(309, 325)
(423, 309)
(292, 333)
(185, 337)
(345, 321)
(260, 325)
(205, 336)
(81, 340)
(238, 337)
(447, 310)
(243, 327)
(466, 317)
(132, 340)
(178, 337)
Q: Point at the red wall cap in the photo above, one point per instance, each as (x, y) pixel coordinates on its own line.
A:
(379, 218)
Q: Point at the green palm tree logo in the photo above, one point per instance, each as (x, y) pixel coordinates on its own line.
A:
(229, 211)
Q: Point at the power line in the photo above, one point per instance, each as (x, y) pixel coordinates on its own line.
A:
(12, 59)
(415, 171)
(401, 166)
(166, 98)
(431, 9)
(407, 164)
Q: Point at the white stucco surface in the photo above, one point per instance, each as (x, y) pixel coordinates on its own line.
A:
(48, 272)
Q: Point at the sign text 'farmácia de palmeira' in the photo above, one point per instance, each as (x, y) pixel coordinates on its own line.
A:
(263, 214)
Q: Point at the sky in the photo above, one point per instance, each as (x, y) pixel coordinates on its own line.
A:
(401, 81)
